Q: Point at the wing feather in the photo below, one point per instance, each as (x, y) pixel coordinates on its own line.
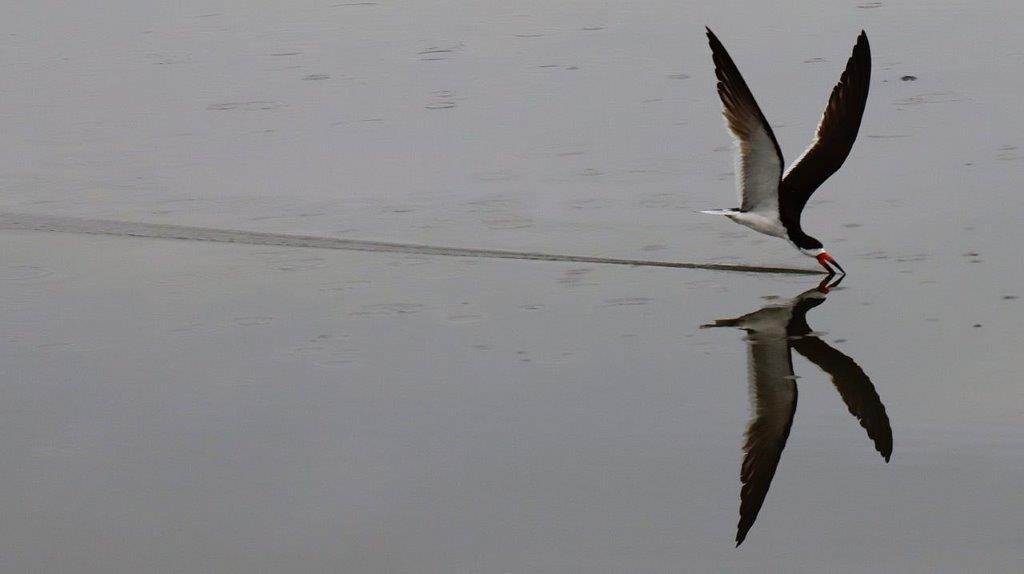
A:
(837, 130)
(774, 394)
(854, 387)
(849, 378)
(757, 154)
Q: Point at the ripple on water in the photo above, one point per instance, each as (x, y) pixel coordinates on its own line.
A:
(390, 309)
(327, 350)
(248, 106)
(627, 301)
(28, 274)
(252, 321)
(574, 276)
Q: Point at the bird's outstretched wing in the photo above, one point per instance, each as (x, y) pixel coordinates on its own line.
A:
(850, 380)
(773, 393)
(854, 387)
(758, 157)
(772, 389)
(836, 133)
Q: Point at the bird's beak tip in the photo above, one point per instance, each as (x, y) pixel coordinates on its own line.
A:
(824, 259)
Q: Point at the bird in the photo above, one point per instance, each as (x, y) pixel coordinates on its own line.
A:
(771, 202)
(772, 333)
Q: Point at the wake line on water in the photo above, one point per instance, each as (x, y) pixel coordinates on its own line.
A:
(58, 224)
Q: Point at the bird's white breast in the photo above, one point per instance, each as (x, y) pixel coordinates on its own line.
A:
(769, 225)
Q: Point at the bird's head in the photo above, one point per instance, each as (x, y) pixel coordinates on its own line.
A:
(824, 259)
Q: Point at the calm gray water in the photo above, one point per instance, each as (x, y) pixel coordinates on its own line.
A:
(190, 406)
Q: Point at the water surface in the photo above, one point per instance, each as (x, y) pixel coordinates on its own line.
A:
(188, 406)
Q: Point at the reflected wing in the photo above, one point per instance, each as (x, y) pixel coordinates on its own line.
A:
(758, 157)
(854, 387)
(836, 133)
(773, 393)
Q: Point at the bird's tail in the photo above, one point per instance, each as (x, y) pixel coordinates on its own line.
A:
(723, 323)
(721, 211)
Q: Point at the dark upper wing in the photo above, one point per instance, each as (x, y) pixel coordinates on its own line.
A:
(836, 133)
(758, 157)
(773, 392)
(853, 384)
(854, 387)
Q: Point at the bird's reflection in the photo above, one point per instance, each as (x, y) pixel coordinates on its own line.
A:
(771, 333)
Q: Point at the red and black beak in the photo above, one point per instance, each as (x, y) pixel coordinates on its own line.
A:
(825, 259)
(825, 286)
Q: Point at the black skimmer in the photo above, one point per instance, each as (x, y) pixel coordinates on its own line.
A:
(771, 201)
(772, 332)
